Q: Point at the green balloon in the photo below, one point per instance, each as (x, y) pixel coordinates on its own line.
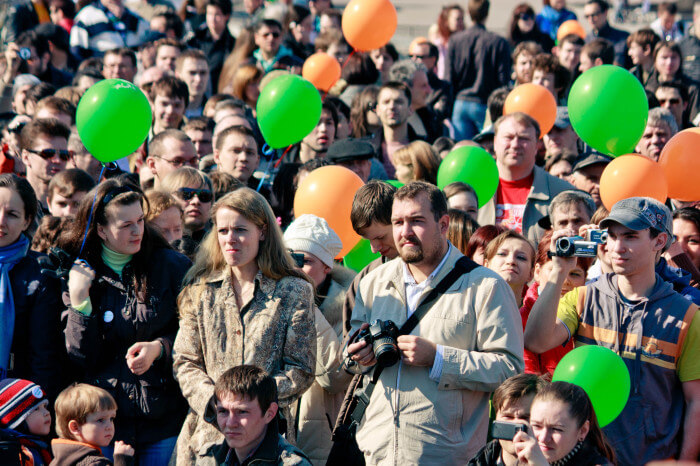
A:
(471, 165)
(608, 109)
(113, 119)
(394, 183)
(288, 109)
(359, 256)
(602, 374)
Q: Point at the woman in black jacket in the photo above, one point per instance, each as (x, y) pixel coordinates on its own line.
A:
(123, 316)
(30, 343)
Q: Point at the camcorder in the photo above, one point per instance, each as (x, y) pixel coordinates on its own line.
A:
(577, 246)
(382, 335)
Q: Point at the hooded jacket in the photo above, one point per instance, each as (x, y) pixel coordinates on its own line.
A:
(680, 279)
(649, 335)
(73, 453)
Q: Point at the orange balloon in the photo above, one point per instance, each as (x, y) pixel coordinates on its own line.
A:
(369, 24)
(632, 175)
(680, 161)
(328, 192)
(321, 70)
(534, 100)
(570, 27)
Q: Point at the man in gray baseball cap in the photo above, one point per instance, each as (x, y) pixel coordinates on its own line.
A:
(637, 314)
(562, 137)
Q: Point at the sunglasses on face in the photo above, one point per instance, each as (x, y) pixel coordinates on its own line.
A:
(47, 154)
(526, 16)
(204, 195)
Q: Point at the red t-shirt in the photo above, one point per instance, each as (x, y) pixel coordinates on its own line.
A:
(510, 202)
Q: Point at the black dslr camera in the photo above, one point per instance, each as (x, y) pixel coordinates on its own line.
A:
(382, 335)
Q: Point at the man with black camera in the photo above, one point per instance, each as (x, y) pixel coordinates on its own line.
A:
(635, 313)
(431, 406)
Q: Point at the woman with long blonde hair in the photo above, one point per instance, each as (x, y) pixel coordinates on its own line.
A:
(243, 303)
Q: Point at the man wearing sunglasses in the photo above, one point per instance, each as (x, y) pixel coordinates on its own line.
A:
(44, 145)
(673, 96)
(271, 54)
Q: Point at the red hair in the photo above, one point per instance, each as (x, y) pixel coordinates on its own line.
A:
(482, 237)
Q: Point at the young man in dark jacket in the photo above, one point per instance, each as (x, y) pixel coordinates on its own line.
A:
(244, 408)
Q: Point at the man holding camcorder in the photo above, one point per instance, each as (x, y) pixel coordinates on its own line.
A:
(637, 314)
(444, 333)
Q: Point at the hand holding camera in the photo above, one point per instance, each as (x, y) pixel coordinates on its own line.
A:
(380, 343)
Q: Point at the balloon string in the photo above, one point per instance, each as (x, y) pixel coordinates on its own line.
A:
(92, 209)
(267, 151)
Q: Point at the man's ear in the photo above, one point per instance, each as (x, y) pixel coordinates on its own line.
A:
(660, 241)
(151, 163)
(74, 428)
(270, 413)
(598, 62)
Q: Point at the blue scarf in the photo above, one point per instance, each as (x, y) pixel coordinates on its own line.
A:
(9, 256)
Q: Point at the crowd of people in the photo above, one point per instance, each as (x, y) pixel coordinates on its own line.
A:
(171, 308)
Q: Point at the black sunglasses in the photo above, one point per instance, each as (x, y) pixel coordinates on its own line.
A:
(204, 195)
(47, 154)
(526, 16)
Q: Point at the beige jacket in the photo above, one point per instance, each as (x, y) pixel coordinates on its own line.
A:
(274, 331)
(412, 419)
(544, 188)
(319, 406)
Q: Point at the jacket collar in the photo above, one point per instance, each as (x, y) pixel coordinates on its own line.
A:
(266, 452)
(397, 277)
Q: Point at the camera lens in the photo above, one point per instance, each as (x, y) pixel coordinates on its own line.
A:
(25, 53)
(385, 351)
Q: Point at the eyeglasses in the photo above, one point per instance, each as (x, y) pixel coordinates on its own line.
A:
(669, 101)
(47, 154)
(204, 195)
(526, 16)
(177, 163)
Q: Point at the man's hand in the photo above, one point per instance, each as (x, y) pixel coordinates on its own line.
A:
(362, 353)
(13, 61)
(417, 351)
(561, 265)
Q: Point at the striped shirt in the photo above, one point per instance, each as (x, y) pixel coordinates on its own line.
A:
(97, 30)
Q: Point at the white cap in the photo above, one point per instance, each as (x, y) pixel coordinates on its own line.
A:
(312, 234)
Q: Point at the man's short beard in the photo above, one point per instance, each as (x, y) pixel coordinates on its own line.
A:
(411, 256)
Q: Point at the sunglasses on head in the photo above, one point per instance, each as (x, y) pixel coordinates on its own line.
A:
(204, 195)
(47, 154)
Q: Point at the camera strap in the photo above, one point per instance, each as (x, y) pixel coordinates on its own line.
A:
(463, 266)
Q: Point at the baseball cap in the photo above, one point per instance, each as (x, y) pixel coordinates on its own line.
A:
(562, 121)
(592, 159)
(350, 149)
(640, 213)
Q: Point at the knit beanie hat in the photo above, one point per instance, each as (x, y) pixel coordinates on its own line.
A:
(312, 234)
(17, 400)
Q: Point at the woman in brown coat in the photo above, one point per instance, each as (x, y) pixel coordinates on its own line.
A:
(243, 304)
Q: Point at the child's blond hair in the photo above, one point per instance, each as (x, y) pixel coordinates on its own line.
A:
(76, 403)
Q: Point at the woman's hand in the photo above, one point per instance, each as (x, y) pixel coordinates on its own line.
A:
(141, 355)
(528, 451)
(80, 279)
(121, 448)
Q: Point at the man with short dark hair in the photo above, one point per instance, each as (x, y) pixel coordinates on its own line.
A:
(477, 63)
(169, 96)
(436, 411)
(569, 53)
(200, 130)
(654, 329)
(244, 409)
(236, 153)
(193, 68)
(441, 98)
(44, 146)
(119, 64)
(394, 109)
(511, 402)
(167, 151)
(673, 96)
(596, 12)
(38, 61)
(595, 53)
(270, 53)
(315, 144)
(524, 190)
(690, 47)
(213, 37)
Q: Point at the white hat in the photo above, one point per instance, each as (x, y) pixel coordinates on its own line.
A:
(312, 234)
